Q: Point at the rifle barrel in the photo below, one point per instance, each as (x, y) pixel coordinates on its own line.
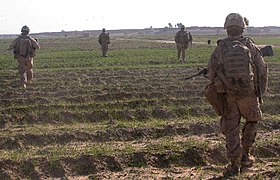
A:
(192, 76)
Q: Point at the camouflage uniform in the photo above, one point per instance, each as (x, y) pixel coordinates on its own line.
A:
(25, 63)
(182, 43)
(246, 106)
(191, 39)
(104, 41)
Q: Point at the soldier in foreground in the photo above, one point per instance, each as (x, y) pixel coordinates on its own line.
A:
(182, 43)
(24, 49)
(238, 75)
(104, 41)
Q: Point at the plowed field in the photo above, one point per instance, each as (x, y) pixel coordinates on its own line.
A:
(129, 116)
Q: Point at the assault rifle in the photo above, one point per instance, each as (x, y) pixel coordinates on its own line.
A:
(200, 72)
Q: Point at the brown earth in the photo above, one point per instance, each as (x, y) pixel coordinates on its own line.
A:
(141, 123)
(191, 162)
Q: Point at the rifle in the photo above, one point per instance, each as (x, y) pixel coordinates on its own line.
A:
(203, 71)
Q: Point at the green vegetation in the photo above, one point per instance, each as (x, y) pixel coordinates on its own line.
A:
(131, 109)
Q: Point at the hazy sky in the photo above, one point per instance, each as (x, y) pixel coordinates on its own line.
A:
(70, 15)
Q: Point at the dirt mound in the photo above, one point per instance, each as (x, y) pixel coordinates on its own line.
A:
(189, 160)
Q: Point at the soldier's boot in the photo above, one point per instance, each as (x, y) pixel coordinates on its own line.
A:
(23, 85)
(29, 81)
(247, 160)
(233, 169)
(29, 76)
(178, 56)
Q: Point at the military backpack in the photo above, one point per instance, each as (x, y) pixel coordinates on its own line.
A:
(24, 48)
(238, 66)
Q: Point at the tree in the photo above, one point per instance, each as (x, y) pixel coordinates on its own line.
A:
(170, 25)
(179, 25)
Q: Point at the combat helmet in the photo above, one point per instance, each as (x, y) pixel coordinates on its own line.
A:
(103, 30)
(235, 19)
(25, 29)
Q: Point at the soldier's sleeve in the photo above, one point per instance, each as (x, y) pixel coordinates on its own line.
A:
(13, 44)
(261, 66)
(109, 39)
(99, 39)
(35, 44)
(176, 38)
(187, 38)
(257, 55)
(213, 64)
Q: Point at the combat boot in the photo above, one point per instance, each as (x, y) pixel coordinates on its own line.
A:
(233, 169)
(247, 160)
(23, 85)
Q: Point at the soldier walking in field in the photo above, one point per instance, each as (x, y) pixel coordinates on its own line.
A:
(104, 41)
(24, 49)
(182, 42)
(238, 74)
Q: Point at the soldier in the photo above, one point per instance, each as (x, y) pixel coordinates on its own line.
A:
(24, 49)
(238, 71)
(104, 41)
(182, 42)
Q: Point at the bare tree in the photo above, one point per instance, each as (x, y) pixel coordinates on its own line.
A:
(170, 25)
(179, 25)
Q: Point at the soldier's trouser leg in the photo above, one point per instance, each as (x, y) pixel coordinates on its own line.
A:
(250, 110)
(104, 50)
(231, 132)
(231, 129)
(184, 53)
(22, 66)
(249, 132)
(29, 69)
(179, 51)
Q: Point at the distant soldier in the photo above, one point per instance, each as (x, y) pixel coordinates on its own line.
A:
(182, 42)
(104, 41)
(24, 49)
(238, 75)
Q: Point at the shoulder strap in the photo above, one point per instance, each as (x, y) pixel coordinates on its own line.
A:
(222, 77)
